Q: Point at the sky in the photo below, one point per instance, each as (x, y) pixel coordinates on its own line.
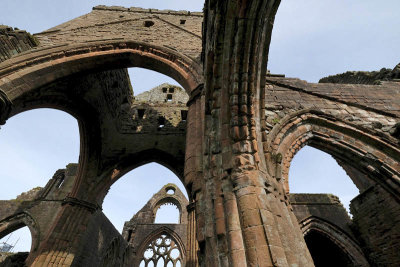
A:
(311, 39)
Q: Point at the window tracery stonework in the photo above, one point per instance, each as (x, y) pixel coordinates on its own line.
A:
(162, 251)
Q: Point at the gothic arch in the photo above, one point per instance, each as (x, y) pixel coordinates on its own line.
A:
(177, 199)
(377, 158)
(153, 236)
(338, 237)
(25, 73)
(88, 127)
(127, 164)
(18, 221)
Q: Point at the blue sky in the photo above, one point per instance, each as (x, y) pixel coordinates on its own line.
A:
(311, 39)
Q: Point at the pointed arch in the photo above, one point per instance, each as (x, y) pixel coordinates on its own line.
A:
(176, 240)
(18, 221)
(56, 63)
(375, 157)
(338, 237)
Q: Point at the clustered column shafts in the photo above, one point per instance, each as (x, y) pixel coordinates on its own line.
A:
(236, 39)
(229, 134)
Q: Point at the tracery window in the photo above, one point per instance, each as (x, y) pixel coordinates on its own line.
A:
(162, 251)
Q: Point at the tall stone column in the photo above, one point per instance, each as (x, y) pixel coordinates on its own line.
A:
(243, 215)
(192, 246)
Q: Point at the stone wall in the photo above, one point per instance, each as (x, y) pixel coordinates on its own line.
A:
(376, 217)
(323, 206)
(142, 229)
(101, 244)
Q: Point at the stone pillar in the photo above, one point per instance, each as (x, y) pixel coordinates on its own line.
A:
(193, 170)
(243, 215)
(192, 246)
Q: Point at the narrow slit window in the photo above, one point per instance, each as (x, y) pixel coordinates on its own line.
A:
(141, 113)
(184, 115)
(161, 122)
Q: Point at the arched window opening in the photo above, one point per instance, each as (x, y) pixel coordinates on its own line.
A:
(168, 213)
(325, 252)
(16, 244)
(314, 171)
(36, 143)
(143, 80)
(132, 191)
(162, 251)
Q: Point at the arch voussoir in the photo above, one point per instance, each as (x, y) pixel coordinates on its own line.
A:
(38, 68)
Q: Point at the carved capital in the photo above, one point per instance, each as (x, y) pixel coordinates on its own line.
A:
(5, 107)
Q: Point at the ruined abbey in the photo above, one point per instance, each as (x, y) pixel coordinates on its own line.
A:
(229, 133)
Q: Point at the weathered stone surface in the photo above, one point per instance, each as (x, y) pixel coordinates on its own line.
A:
(229, 135)
(14, 41)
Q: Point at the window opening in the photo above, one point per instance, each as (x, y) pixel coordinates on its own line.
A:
(314, 171)
(61, 183)
(184, 115)
(18, 241)
(141, 113)
(162, 251)
(183, 21)
(169, 97)
(148, 23)
(172, 90)
(168, 213)
(170, 191)
(164, 89)
(161, 122)
(129, 235)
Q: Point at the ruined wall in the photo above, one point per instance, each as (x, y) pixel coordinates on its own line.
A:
(376, 218)
(243, 214)
(323, 206)
(364, 77)
(14, 41)
(141, 230)
(177, 30)
(324, 215)
(102, 244)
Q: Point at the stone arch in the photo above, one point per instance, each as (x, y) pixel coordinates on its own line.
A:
(377, 158)
(148, 213)
(131, 162)
(156, 234)
(87, 127)
(18, 221)
(177, 199)
(342, 240)
(27, 72)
